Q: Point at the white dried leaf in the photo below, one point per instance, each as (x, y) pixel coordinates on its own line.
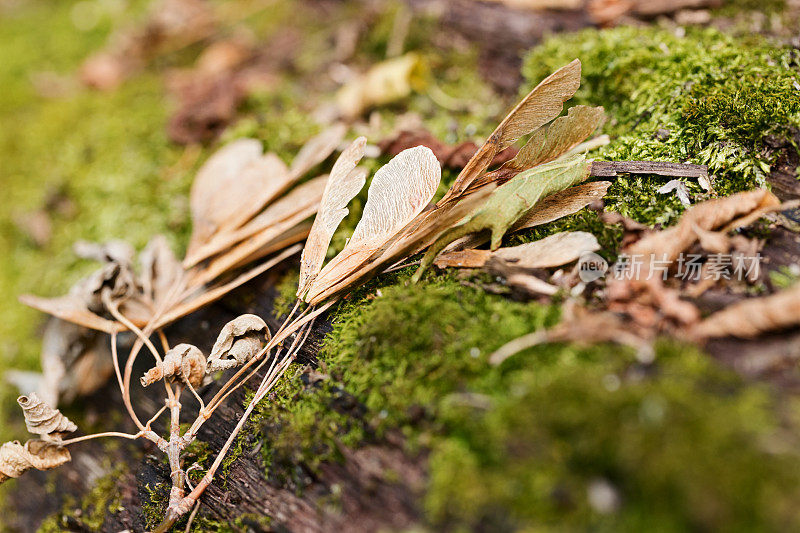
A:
(344, 183)
(399, 192)
(16, 459)
(239, 341)
(681, 191)
(44, 420)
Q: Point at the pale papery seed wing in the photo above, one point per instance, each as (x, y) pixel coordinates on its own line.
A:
(400, 190)
(217, 185)
(316, 150)
(344, 183)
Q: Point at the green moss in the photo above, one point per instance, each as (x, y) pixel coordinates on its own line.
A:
(384, 368)
(245, 522)
(155, 505)
(103, 500)
(682, 444)
(718, 96)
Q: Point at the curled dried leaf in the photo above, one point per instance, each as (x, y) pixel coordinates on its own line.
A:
(726, 213)
(184, 362)
(239, 341)
(44, 420)
(16, 459)
(344, 183)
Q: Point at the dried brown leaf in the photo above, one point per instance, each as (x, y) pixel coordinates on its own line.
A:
(400, 190)
(288, 212)
(317, 149)
(752, 317)
(72, 309)
(16, 459)
(540, 106)
(552, 251)
(563, 134)
(344, 183)
(184, 361)
(239, 341)
(218, 189)
(721, 213)
(44, 420)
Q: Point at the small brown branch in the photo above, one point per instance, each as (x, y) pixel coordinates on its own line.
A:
(610, 169)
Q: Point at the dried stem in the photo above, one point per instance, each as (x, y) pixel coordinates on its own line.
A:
(302, 326)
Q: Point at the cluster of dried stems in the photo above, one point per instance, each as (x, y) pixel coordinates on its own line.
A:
(247, 205)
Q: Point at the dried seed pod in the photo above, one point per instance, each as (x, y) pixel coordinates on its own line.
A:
(15, 458)
(238, 342)
(184, 361)
(44, 420)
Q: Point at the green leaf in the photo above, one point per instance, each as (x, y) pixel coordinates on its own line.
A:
(510, 202)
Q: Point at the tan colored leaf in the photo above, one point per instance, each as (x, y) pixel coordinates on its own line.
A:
(206, 295)
(291, 236)
(16, 459)
(317, 150)
(400, 190)
(44, 420)
(183, 361)
(563, 134)
(722, 213)
(72, 309)
(161, 270)
(344, 183)
(217, 188)
(239, 341)
(552, 251)
(292, 209)
(544, 103)
(259, 183)
(752, 317)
